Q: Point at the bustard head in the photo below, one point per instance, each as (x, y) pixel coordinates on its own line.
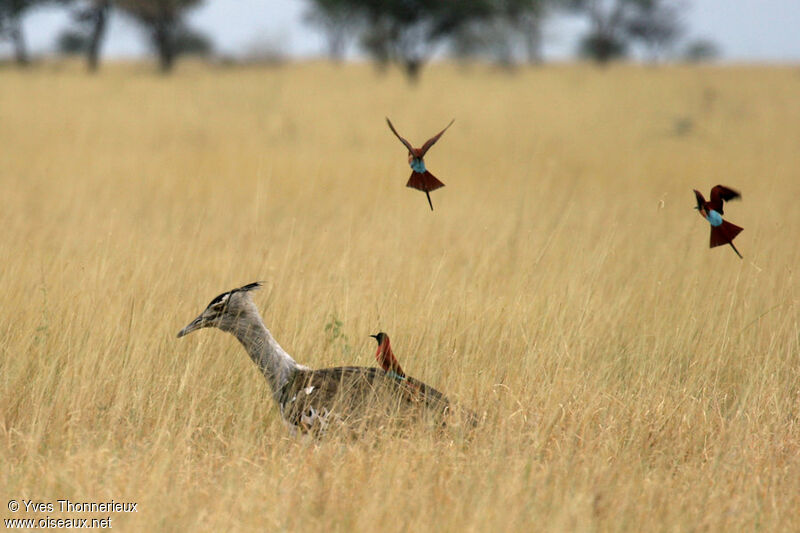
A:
(225, 311)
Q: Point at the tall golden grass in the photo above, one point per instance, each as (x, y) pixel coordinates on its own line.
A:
(630, 378)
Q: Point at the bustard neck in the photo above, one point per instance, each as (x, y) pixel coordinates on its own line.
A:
(273, 361)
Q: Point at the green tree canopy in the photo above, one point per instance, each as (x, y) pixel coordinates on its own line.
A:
(11, 14)
(408, 31)
(163, 21)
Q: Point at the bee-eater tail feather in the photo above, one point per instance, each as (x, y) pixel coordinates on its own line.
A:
(424, 181)
(724, 234)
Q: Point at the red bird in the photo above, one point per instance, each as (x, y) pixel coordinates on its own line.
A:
(415, 389)
(421, 179)
(722, 231)
(386, 358)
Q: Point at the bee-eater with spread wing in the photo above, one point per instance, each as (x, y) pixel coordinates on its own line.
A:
(421, 179)
(722, 231)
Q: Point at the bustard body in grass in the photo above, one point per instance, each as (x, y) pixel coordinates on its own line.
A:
(311, 400)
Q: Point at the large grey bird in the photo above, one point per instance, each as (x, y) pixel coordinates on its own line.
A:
(312, 400)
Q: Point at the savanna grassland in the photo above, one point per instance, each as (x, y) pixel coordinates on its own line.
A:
(630, 378)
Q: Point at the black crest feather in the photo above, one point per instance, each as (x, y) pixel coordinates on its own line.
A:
(250, 287)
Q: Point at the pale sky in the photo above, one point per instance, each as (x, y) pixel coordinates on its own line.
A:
(745, 30)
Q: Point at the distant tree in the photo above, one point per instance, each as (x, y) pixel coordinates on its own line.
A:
(491, 39)
(163, 22)
(408, 31)
(11, 15)
(339, 21)
(91, 18)
(95, 16)
(72, 43)
(525, 18)
(700, 51)
(656, 24)
(376, 41)
(602, 47)
(607, 37)
(192, 42)
(615, 24)
(513, 26)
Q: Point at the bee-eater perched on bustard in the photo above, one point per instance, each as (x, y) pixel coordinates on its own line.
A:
(311, 400)
(386, 357)
(420, 179)
(413, 389)
(722, 231)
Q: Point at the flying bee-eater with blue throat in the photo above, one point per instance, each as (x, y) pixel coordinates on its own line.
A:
(420, 179)
(722, 231)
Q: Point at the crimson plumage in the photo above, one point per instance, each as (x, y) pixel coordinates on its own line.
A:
(385, 356)
(421, 179)
(722, 231)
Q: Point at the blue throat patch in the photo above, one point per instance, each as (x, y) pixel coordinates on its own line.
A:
(395, 375)
(418, 165)
(714, 218)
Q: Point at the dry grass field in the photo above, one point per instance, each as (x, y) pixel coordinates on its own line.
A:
(631, 379)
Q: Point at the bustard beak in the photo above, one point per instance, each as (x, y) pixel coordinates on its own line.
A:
(197, 323)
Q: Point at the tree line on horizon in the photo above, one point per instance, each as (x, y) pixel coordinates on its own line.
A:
(406, 33)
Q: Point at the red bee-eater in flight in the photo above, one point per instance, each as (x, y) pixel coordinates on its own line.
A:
(421, 179)
(722, 231)
(386, 358)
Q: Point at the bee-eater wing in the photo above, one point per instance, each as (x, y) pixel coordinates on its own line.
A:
(394, 366)
(720, 194)
(430, 142)
(402, 140)
(701, 202)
